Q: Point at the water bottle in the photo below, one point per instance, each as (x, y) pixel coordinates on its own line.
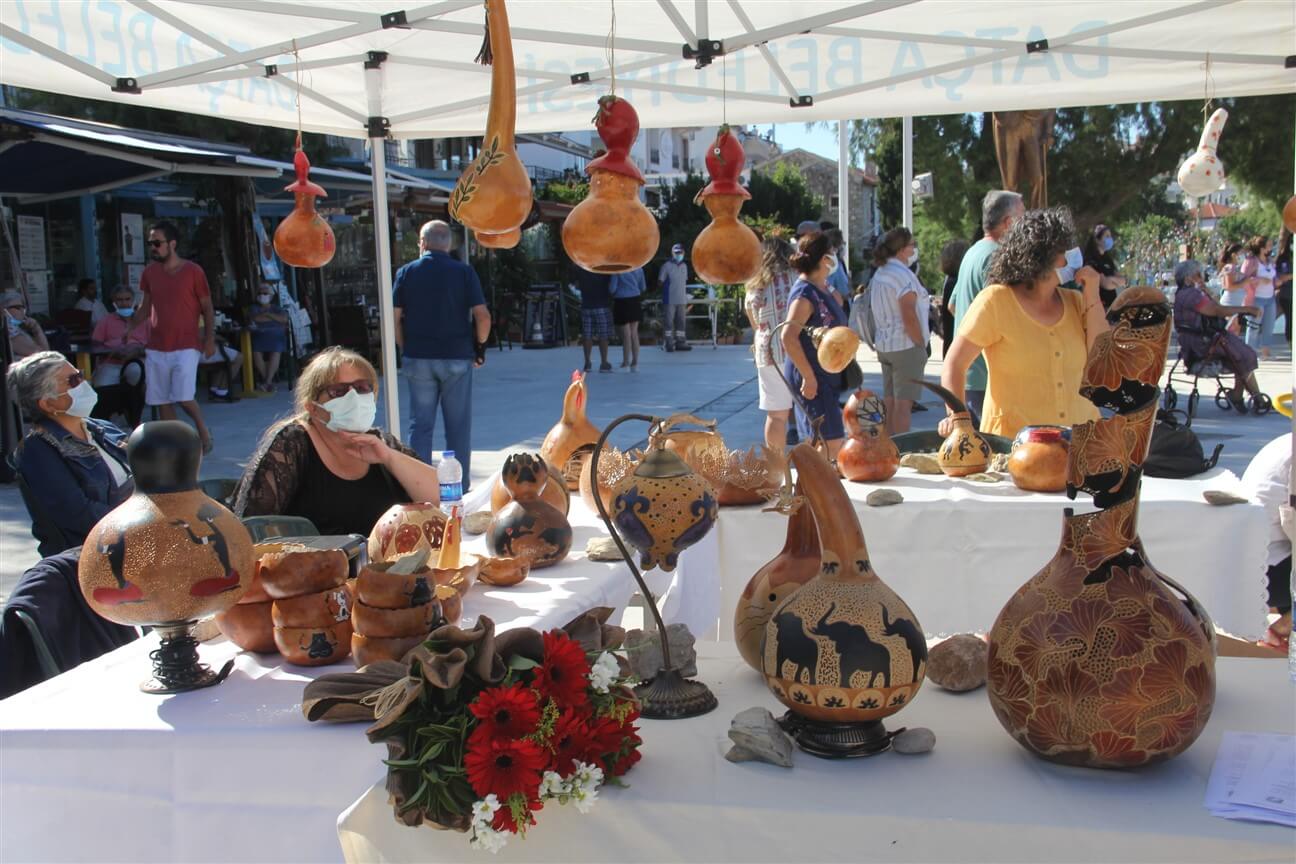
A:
(450, 478)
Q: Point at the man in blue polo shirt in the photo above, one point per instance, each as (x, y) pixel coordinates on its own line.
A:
(442, 324)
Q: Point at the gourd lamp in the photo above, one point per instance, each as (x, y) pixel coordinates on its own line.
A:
(834, 346)
(727, 252)
(167, 556)
(662, 508)
(304, 239)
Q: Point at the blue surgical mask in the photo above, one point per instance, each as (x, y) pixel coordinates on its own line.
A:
(14, 324)
(1074, 261)
(127, 312)
(678, 256)
(1108, 243)
(84, 399)
(354, 412)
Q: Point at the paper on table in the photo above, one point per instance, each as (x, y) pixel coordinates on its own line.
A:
(1253, 778)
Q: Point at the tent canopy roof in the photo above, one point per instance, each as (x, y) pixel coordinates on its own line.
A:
(776, 62)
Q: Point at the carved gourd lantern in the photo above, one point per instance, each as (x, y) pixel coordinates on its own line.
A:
(571, 439)
(304, 239)
(663, 507)
(1099, 659)
(964, 451)
(493, 195)
(528, 527)
(406, 528)
(688, 444)
(727, 252)
(868, 455)
(843, 651)
(167, 556)
(611, 231)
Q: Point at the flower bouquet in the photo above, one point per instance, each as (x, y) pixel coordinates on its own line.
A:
(482, 731)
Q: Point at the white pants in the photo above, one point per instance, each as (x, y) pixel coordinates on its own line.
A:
(170, 376)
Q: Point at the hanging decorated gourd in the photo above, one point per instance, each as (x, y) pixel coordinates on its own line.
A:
(1289, 214)
(304, 239)
(1202, 172)
(611, 231)
(835, 347)
(663, 507)
(727, 252)
(493, 195)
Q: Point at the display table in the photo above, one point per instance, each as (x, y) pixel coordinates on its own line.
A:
(956, 550)
(978, 796)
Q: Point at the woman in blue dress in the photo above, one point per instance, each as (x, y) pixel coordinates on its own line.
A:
(811, 305)
(269, 337)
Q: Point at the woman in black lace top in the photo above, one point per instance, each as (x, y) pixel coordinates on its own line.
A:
(325, 462)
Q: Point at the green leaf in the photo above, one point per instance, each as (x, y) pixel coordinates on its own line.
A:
(519, 663)
(401, 763)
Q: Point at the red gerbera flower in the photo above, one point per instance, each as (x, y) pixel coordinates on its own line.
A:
(564, 674)
(571, 743)
(505, 712)
(616, 744)
(504, 820)
(626, 760)
(504, 767)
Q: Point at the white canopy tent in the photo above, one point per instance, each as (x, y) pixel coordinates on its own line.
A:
(365, 69)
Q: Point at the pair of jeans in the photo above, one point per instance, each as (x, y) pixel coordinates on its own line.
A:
(447, 384)
(673, 323)
(1258, 330)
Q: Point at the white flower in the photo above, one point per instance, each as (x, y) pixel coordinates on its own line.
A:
(584, 797)
(604, 671)
(489, 839)
(587, 777)
(552, 785)
(484, 810)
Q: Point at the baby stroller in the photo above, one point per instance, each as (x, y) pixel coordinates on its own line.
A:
(1211, 365)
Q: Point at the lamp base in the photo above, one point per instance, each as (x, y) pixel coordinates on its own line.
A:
(671, 696)
(175, 663)
(838, 740)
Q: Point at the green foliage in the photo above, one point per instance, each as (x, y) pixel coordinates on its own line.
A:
(950, 147)
(931, 235)
(783, 195)
(1149, 246)
(1260, 218)
(564, 193)
(1257, 145)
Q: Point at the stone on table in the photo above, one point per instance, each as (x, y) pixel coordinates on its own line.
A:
(603, 549)
(643, 650)
(958, 663)
(883, 498)
(477, 523)
(757, 737)
(923, 463)
(1219, 497)
(912, 741)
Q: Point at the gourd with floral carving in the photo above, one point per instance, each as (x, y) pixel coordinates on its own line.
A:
(868, 455)
(727, 252)
(304, 239)
(493, 195)
(611, 231)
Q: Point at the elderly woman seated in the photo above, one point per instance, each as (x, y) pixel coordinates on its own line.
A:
(1200, 324)
(325, 462)
(74, 469)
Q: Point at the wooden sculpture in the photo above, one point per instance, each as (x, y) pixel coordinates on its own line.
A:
(1100, 660)
(727, 252)
(571, 439)
(493, 195)
(304, 239)
(868, 455)
(1022, 140)
(1203, 172)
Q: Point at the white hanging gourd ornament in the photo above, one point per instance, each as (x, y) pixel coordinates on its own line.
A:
(1203, 172)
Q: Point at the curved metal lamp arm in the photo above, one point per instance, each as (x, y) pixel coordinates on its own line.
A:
(616, 538)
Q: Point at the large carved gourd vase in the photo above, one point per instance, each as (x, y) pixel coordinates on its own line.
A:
(727, 252)
(843, 649)
(663, 507)
(168, 555)
(493, 195)
(572, 439)
(304, 239)
(795, 565)
(868, 454)
(528, 527)
(611, 231)
(1100, 660)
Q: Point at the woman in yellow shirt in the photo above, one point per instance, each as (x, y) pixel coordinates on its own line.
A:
(1034, 334)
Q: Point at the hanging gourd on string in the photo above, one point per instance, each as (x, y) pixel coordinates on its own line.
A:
(493, 195)
(727, 252)
(1202, 173)
(304, 239)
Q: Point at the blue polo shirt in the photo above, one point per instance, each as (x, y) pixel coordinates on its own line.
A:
(437, 294)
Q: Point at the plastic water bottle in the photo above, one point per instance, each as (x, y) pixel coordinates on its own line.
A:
(450, 479)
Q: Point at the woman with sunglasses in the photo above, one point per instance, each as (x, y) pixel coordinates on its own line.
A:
(73, 468)
(326, 462)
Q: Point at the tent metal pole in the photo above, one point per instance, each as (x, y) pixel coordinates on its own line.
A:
(746, 22)
(677, 19)
(701, 19)
(812, 23)
(906, 187)
(843, 185)
(382, 254)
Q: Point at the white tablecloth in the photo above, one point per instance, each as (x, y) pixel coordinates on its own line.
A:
(956, 550)
(978, 796)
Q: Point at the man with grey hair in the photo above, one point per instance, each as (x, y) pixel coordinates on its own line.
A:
(442, 325)
(26, 336)
(1000, 209)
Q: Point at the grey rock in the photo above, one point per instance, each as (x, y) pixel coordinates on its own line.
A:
(916, 740)
(958, 663)
(985, 477)
(757, 737)
(923, 463)
(477, 523)
(602, 549)
(883, 498)
(643, 649)
(1219, 498)
(1000, 463)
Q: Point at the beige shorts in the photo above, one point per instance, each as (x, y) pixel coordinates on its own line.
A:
(774, 394)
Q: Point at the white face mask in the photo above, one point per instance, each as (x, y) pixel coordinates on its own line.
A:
(84, 399)
(263, 299)
(832, 264)
(913, 259)
(354, 412)
(1074, 261)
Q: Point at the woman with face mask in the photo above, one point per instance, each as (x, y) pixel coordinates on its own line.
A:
(900, 307)
(26, 337)
(1199, 325)
(269, 337)
(1098, 255)
(326, 462)
(1034, 334)
(74, 469)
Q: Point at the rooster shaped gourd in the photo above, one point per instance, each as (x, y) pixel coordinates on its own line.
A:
(727, 252)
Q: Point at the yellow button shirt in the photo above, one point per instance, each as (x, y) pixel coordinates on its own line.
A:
(1034, 370)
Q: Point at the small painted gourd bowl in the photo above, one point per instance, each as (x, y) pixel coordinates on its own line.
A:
(504, 572)
(249, 626)
(295, 570)
(390, 623)
(318, 609)
(314, 646)
(376, 587)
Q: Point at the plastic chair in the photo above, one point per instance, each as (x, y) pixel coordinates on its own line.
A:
(269, 527)
(44, 658)
(220, 488)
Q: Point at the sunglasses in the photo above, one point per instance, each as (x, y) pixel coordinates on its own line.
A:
(336, 391)
(75, 379)
(156, 243)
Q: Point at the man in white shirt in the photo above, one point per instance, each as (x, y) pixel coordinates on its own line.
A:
(88, 301)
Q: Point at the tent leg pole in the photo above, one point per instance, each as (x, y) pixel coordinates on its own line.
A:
(906, 188)
(382, 258)
(843, 187)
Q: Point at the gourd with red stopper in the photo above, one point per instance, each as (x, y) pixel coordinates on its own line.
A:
(727, 252)
(304, 239)
(611, 231)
